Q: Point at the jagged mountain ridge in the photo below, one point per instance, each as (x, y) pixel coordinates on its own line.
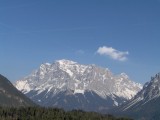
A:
(145, 105)
(10, 96)
(150, 91)
(50, 80)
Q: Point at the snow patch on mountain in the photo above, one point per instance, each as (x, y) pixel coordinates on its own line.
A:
(150, 91)
(65, 75)
(23, 86)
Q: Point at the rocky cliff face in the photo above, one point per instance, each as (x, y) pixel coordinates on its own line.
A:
(150, 91)
(70, 85)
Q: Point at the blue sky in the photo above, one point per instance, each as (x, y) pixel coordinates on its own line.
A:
(122, 35)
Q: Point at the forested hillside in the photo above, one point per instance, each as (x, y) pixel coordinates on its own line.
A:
(10, 96)
(36, 113)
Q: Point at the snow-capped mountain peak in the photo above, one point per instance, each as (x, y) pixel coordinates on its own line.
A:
(66, 62)
(70, 78)
(150, 91)
(124, 75)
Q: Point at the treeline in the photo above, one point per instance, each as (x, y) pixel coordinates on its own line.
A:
(37, 113)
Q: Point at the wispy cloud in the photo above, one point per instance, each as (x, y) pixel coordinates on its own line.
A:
(113, 53)
(80, 52)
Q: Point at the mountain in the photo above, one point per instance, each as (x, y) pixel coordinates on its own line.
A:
(146, 104)
(69, 85)
(10, 96)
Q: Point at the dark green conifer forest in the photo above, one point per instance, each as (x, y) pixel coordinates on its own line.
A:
(38, 113)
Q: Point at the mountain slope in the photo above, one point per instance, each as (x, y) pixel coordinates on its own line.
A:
(58, 83)
(10, 96)
(146, 104)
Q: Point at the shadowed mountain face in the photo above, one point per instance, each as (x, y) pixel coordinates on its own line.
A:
(146, 104)
(10, 96)
(69, 85)
(88, 101)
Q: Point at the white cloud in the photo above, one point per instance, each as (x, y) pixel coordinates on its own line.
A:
(113, 53)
